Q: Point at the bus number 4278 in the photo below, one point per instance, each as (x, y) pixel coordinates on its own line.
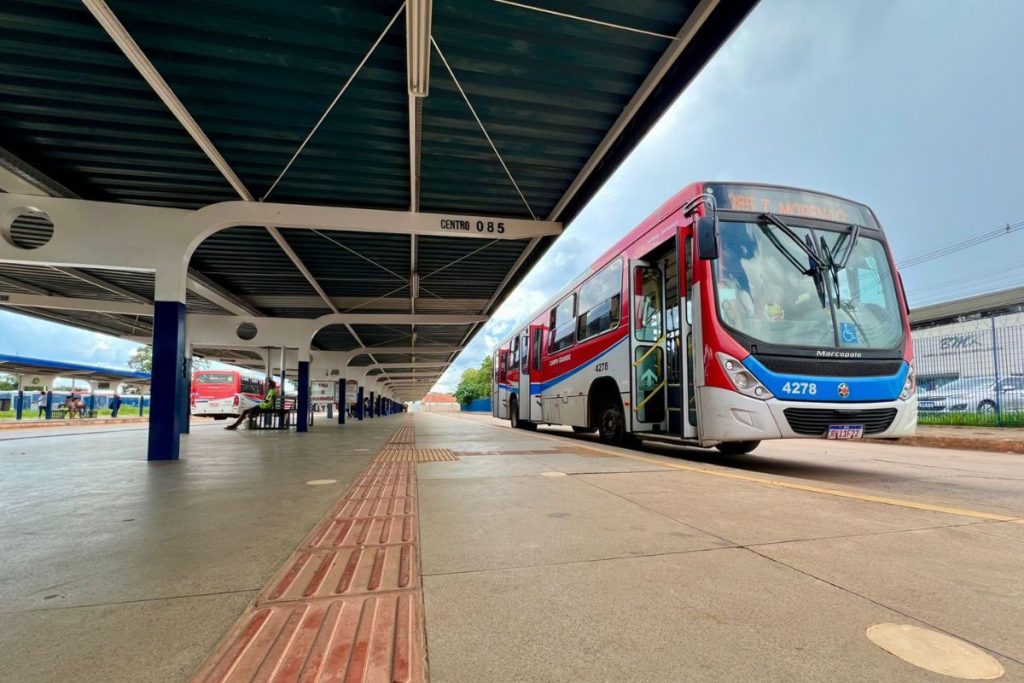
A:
(809, 388)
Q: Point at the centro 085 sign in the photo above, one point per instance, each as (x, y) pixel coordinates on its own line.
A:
(462, 225)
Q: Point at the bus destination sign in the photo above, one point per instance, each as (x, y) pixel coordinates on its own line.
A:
(786, 202)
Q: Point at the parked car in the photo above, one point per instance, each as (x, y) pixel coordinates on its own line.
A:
(974, 395)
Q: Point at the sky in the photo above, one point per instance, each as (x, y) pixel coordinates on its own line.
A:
(913, 107)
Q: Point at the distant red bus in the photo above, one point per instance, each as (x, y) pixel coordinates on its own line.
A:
(224, 393)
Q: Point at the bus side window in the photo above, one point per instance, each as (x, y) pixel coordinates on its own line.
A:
(514, 361)
(502, 365)
(599, 302)
(563, 325)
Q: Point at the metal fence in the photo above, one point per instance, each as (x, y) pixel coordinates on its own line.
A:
(972, 373)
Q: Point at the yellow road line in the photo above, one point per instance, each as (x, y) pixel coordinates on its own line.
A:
(777, 483)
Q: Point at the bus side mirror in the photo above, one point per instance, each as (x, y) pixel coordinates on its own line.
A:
(707, 238)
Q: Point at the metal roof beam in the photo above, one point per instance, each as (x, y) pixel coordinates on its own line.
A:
(215, 294)
(103, 284)
(18, 177)
(119, 34)
(406, 366)
(693, 23)
(67, 303)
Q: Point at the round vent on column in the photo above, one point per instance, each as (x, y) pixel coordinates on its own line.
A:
(246, 331)
(30, 229)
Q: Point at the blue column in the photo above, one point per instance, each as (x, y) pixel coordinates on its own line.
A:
(49, 404)
(92, 401)
(343, 401)
(18, 408)
(360, 408)
(185, 402)
(302, 413)
(168, 380)
(372, 399)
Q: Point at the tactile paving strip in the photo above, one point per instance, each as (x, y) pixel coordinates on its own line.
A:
(405, 434)
(347, 606)
(407, 454)
(347, 571)
(361, 638)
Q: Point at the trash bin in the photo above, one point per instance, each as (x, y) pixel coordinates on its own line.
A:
(5, 404)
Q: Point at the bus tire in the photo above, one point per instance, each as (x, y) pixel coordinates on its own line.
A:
(513, 413)
(611, 423)
(583, 430)
(737, 447)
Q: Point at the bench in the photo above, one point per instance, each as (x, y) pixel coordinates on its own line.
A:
(277, 417)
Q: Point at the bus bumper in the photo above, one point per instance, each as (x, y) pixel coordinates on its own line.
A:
(730, 416)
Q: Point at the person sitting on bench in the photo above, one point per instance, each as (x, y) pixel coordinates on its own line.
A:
(266, 404)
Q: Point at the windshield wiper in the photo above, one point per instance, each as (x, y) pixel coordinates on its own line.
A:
(853, 235)
(837, 264)
(817, 264)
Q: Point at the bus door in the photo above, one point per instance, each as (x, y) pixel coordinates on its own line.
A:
(682, 407)
(536, 372)
(524, 376)
(502, 384)
(648, 406)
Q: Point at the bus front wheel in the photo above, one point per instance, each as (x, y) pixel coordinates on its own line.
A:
(612, 423)
(513, 413)
(737, 447)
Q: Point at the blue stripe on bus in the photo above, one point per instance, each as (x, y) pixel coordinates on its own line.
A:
(859, 389)
(541, 387)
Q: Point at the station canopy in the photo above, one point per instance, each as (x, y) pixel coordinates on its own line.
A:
(28, 367)
(495, 108)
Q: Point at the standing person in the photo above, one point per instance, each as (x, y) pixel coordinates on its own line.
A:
(266, 404)
(115, 405)
(42, 403)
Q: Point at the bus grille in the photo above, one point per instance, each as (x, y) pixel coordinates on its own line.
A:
(815, 421)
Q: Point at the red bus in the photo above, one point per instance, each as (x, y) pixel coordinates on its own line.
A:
(224, 393)
(733, 314)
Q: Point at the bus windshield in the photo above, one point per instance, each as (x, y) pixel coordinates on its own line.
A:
(771, 289)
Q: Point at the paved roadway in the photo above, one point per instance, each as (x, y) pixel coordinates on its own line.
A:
(676, 564)
(544, 556)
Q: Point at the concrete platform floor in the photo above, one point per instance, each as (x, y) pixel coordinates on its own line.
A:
(544, 556)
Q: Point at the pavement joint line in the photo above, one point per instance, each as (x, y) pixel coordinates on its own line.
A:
(778, 483)
(979, 522)
(882, 605)
(115, 603)
(592, 560)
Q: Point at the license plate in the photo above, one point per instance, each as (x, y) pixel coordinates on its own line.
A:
(846, 431)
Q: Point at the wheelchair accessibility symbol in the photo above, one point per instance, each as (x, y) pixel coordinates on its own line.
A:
(848, 333)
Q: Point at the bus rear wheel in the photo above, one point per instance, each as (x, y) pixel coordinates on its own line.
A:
(737, 447)
(513, 413)
(611, 423)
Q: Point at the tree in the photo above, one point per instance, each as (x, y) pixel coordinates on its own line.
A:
(142, 360)
(8, 382)
(475, 382)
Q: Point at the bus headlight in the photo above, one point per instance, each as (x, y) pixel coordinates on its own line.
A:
(741, 379)
(910, 386)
